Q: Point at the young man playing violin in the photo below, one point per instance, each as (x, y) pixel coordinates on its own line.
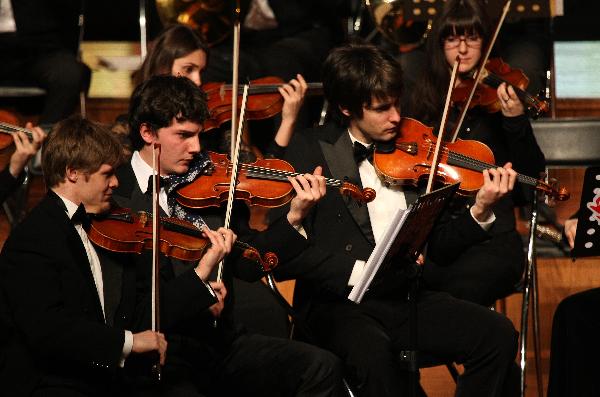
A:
(224, 359)
(489, 270)
(362, 84)
(68, 315)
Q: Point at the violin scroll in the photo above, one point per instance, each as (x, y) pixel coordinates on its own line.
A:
(364, 196)
(268, 261)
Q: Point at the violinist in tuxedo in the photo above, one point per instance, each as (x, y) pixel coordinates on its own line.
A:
(71, 319)
(362, 85)
(225, 359)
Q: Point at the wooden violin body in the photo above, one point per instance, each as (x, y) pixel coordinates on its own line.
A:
(495, 73)
(410, 163)
(127, 232)
(462, 161)
(264, 183)
(264, 100)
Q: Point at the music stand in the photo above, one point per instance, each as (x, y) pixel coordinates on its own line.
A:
(403, 241)
(587, 237)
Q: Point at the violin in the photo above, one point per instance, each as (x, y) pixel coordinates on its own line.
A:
(264, 100)
(264, 183)
(409, 159)
(120, 230)
(7, 144)
(495, 73)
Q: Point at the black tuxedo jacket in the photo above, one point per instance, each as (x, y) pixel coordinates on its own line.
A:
(56, 329)
(339, 229)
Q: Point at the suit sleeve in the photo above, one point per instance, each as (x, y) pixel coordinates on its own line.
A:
(33, 285)
(314, 264)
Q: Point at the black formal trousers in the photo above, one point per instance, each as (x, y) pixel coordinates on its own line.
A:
(575, 347)
(368, 336)
(226, 359)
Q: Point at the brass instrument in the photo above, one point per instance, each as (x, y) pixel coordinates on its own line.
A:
(211, 18)
(392, 21)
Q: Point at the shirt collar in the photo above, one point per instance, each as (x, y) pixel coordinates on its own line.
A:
(70, 206)
(353, 139)
(142, 171)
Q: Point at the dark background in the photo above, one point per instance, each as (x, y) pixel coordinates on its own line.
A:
(117, 20)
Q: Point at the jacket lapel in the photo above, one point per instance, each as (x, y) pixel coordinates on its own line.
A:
(76, 248)
(340, 161)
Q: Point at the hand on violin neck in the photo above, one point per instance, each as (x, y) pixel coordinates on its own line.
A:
(220, 292)
(221, 243)
(25, 149)
(293, 97)
(497, 183)
(510, 104)
(310, 188)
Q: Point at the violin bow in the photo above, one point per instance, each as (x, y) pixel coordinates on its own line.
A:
(234, 170)
(235, 77)
(436, 154)
(480, 70)
(156, 367)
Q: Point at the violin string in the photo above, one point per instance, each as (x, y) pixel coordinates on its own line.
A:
(478, 165)
(499, 80)
(281, 175)
(11, 129)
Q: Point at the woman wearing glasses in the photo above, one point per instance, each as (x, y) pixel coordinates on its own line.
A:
(489, 270)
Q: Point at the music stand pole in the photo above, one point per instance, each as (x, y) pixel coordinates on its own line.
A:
(410, 355)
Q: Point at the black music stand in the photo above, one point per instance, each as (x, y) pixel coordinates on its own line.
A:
(587, 238)
(403, 242)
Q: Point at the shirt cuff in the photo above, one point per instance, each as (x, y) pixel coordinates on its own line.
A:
(487, 224)
(300, 229)
(127, 346)
(357, 271)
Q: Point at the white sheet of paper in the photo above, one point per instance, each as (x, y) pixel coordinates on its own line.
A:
(378, 255)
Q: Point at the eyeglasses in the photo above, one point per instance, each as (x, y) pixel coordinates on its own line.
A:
(472, 41)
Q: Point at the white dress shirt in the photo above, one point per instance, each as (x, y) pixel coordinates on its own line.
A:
(142, 172)
(96, 269)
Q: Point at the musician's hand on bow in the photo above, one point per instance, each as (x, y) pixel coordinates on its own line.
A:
(570, 231)
(293, 97)
(310, 188)
(510, 103)
(221, 292)
(149, 341)
(25, 149)
(497, 183)
(221, 243)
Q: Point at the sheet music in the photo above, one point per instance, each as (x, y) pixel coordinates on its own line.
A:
(378, 255)
(415, 223)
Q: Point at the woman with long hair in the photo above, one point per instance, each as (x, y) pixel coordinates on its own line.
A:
(180, 51)
(489, 270)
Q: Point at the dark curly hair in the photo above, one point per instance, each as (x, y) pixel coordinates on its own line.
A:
(159, 100)
(354, 74)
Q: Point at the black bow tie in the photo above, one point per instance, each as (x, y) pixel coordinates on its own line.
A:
(162, 182)
(80, 217)
(361, 152)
